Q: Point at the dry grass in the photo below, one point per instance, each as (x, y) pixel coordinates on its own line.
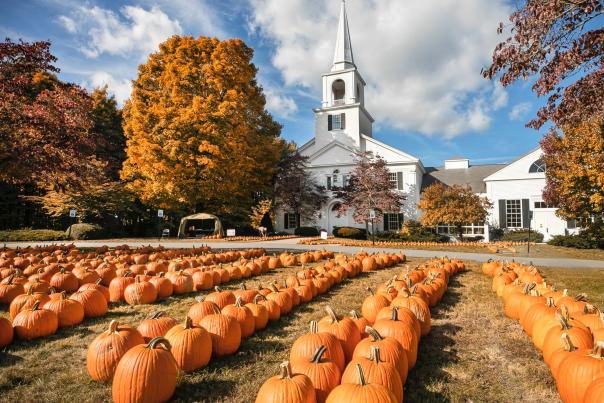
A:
(473, 353)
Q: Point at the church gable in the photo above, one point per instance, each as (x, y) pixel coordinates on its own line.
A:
(525, 167)
(334, 153)
(389, 153)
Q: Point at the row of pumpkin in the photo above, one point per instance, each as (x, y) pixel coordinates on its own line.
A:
(365, 358)
(214, 327)
(43, 309)
(568, 330)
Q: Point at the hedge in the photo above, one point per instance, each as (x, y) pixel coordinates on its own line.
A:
(306, 231)
(522, 236)
(576, 241)
(28, 234)
(350, 232)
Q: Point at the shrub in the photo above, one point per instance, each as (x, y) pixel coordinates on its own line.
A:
(589, 238)
(306, 231)
(85, 231)
(28, 234)
(424, 236)
(522, 236)
(350, 232)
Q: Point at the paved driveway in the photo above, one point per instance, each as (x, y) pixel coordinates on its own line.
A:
(292, 244)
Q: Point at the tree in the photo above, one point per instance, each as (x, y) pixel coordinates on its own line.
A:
(574, 179)
(452, 205)
(107, 125)
(259, 213)
(198, 136)
(296, 189)
(368, 188)
(562, 43)
(45, 136)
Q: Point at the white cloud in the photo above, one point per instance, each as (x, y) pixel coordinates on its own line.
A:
(421, 61)
(68, 23)
(499, 96)
(119, 87)
(135, 31)
(519, 111)
(280, 105)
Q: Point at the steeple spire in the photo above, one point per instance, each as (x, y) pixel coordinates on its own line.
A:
(343, 58)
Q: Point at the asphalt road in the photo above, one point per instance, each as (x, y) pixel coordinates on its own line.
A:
(292, 244)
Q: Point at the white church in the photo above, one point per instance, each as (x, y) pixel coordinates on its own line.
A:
(343, 126)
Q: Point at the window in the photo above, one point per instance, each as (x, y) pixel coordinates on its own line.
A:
(537, 166)
(329, 183)
(339, 90)
(392, 177)
(571, 224)
(541, 204)
(345, 180)
(291, 221)
(393, 221)
(336, 122)
(513, 214)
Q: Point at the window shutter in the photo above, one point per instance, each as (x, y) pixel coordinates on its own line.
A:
(286, 222)
(297, 220)
(401, 220)
(329, 122)
(343, 120)
(525, 213)
(502, 217)
(386, 222)
(399, 180)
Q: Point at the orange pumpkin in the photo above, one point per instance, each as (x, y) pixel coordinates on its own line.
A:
(191, 345)
(32, 323)
(224, 331)
(361, 391)
(323, 372)
(287, 387)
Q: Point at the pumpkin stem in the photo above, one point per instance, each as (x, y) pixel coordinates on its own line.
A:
(188, 323)
(36, 306)
(242, 287)
(157, 315)
(563, 321)
(98, 281)
(113, 325)
(355, 314)
(598, 350)
(375, 354)
(286, 370)
(550, 302)
(200, 298)
(159, 340)
(217, 289)
(360, 375)
(581, 297)
(314, 326)
(373, 333)
(568, 344)
(258, 297)
(370, 291)
(63, 295)
(316, 357)
(332, 314)
(394, 313)
(238, 302)
(405, 293)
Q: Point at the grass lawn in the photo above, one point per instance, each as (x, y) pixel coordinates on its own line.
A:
(474, 353)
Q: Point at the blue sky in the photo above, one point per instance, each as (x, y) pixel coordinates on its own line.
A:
(421, 61)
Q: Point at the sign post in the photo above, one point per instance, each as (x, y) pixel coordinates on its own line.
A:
(528, 244)
(160, 216)
(72, 216)
(372, 216)
(231, 232)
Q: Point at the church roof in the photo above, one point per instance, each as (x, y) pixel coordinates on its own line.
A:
(473, 176)
(343, 58)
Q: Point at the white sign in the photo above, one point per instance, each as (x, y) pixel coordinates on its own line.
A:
(72, 213)
(323, 234)
(230, 232)
(160, 213)
(371, 214)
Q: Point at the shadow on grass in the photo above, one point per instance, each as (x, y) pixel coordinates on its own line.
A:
(436, 350)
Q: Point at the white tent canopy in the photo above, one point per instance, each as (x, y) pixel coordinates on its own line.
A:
(200, 216)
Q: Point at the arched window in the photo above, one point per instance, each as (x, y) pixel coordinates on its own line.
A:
(537, 166)
(339, 91)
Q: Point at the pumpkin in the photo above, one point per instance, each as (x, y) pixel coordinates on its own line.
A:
(6, 332)
(156, 325)
(224, 331)
(32, 323)
(242, 315)
(402, 332)
(404, 315)
(360, 322)
(247, 296)
(9, 290)
(260, 313)
(182, 283)
(221, 298)
(576, 372)
(140, 293)
(566, 348)
(361, 391)
(593, 321)
(97, 286)
(369, 264)
(390, 351)
(200, 309)
(579, 335)
(108, 348)
(118, 285)
(24, 301)
(282, 298)
(287, 388)
(146, 373)
(273, 309)
(306, 345)
(343, 328)
(191, 345)
(373, 304)
(65, 281)
(595, 391)
(323, 372)
(575, 305)
(69, 312)
(418, 306)
(536, 312)
(377, 372)
(164, 287)
(93, 301)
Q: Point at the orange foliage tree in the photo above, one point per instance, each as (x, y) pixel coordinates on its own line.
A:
(452, 205)
(198, 135)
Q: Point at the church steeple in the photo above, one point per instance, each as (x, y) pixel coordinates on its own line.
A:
(343, 58)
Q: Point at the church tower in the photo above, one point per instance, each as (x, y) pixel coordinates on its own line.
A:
(342, 116)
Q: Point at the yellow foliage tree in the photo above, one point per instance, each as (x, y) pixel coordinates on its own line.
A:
(260, 210)
(198, 135)
(452, 205)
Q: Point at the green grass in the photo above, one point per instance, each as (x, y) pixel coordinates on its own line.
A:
(32, 235)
